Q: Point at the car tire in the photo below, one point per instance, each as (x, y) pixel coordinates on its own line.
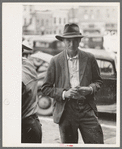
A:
(37, 63)
(45, 111)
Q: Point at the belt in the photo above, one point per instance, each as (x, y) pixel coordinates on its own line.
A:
(78, 101)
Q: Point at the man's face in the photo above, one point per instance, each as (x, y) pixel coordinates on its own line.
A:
(71, 44)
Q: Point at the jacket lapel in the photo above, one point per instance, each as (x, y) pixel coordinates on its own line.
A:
(65, 68)
(64, 64)
(82, 64)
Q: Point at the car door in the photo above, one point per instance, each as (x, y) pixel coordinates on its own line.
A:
(107, 94)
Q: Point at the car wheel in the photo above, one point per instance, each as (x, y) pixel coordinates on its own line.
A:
(45, 105)
(37, 62)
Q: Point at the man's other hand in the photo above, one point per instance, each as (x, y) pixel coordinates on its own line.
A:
(84, 90)
(73, 93)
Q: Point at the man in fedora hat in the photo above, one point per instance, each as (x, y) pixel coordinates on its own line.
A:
(31, 131)
(72, 79)
(27, 49)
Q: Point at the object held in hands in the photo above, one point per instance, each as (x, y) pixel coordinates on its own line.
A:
(84, 90)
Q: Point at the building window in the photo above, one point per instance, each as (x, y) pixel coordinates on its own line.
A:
(98, 13)
(113, 25)
(108, 25)
(59, 20)
(30, 8)
(24, 21)
(91, 14)
(86, 14)
(91, 25)
(30, 20)
(47, 22)
(42, 22)
(59, 31)
(55, 20)
(107, 13)
(37, 20)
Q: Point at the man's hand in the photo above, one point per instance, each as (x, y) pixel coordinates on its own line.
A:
(73, 93)
(84, 90)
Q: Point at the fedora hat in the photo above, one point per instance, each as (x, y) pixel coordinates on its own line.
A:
(26, 45)
(70, 31)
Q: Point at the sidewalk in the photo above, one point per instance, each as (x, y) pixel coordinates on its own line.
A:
(111, 140)
(51, 134)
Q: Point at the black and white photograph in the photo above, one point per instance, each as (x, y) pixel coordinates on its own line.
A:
(61, 74)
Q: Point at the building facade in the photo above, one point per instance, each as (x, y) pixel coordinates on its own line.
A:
(95, 19)
(43, 22)
(91, 19)
(28, 20)
(60, 18)
(36, 22)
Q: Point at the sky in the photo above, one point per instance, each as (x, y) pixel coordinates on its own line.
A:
(65, 5)
(52, 6)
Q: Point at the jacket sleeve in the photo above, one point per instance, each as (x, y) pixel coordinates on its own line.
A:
(96, 78)
(48, 88)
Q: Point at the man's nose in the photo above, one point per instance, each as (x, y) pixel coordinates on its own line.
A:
(71, 41)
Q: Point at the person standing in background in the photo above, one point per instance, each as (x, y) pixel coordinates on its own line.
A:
(31, 127)
(72, 79)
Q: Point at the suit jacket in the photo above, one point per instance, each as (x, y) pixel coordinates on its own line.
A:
(58, 79)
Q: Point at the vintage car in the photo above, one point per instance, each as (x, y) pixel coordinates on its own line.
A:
(41, 61)
(48, 44)
(106, 96)
(93, 41)
(45, 43)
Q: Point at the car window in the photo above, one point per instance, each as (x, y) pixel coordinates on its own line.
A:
(92, 42)
(41, 44)
(106, 67)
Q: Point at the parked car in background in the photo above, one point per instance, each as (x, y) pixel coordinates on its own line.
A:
(41, 61)
(105, 98)
(92, 41)
(45, 43)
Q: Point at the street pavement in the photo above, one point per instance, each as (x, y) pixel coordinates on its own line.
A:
(51, 134)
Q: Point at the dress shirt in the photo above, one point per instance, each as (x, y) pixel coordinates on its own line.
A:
(73, 65)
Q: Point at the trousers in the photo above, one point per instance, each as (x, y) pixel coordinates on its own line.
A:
(31, 130)
(80, 116)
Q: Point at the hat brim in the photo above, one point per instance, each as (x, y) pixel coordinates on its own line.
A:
(27, 48)
(69, 36)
